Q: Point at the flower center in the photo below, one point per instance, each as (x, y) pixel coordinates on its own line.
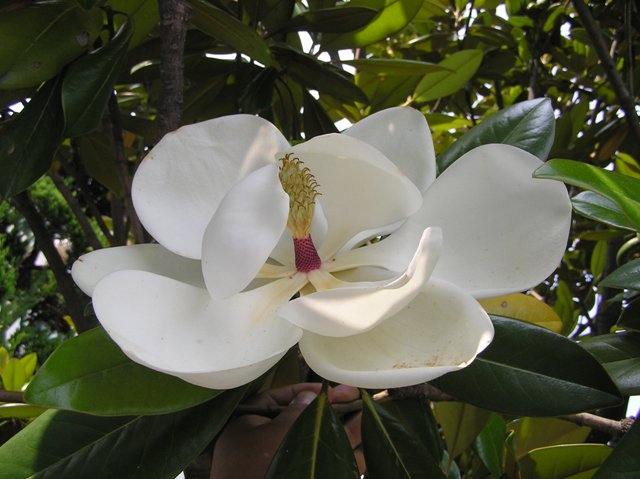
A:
(301, 186)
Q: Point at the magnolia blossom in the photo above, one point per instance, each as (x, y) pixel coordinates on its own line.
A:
(384, 262)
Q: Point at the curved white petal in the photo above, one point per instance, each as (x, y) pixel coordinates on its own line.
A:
(503, 230)
(153, 258)
(243, 231)
(178, 329)
(441, 330)
(352, 308)
(402, 135)
(356, 182)
(180, 183)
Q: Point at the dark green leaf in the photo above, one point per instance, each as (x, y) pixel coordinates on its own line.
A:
(99, 160)
(144, 14)
(630, 317)
(330, 20)
(28, 143)
(564, 462)
(9, 97)
(393, 67)
(460, 68)
(229, 30)
(316, 446)
(528, 125)
(625, 277)
(87, 4)
(315, 119)
(597, 207)
(620, 356)
(598, 258)
(258, 9)
(489, 445)
(624, 460)
(530, 371)
(199, 98)
(395, 15)
(623, 190)
(91, 374)
(461, 423)
(38, 41)
(65, 444)
(392, 91)
(88, 84)
(391, 451)
(259, 93)
(418, 416)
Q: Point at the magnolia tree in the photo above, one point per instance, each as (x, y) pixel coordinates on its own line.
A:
(310, 239)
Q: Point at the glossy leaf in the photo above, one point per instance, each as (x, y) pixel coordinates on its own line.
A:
(535, 432)
(20, 411)
(13, 375)
(599, 258)
(419, 419)
(394, 67)
(626, 277)
(528, 125)
(259, 93)
(88, 84)
(395, 15)
(29, 363)
(70, 444)
(489, 445)
(630, 317)
(561, 462)
(624, 461)
(99, 160)
(623, 190)
(144, 14)
(229, 30)
(37, 42)
(530, 371)
(391, 451)
(89, 374)
(597, 207)
(620, 356)
(525, 308)
(461, 423)
(315, 119)
(330, 20)
(315, 446)
(462, 66)
(28, 143)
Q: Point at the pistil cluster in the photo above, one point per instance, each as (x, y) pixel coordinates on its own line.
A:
(301, 186)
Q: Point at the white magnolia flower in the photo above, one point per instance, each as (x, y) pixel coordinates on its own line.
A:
(211, 303)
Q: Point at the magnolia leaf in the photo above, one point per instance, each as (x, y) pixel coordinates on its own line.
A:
(530, 371)
(535, 432)
(525, 308)
(99, 160)
(88, 84)
(599, 258)
(528, 125)
(623, 190)
(315, 446)
(620, 356)
(391, 451)
(624, 460)
(461, 423)
(29, 363)
(13, 375)
(20, 411)
(229, 30)
(89, 372)
(629, 319)
(4, 357)
(625, 277)
(489, 445)
(70, 444)
(461, 67)
(419, 419)
(28, 143)
(38, 41)
(597, 207)
(330, 20)
(144, 14)
(563, 462)
(315, 119)
(393, 67)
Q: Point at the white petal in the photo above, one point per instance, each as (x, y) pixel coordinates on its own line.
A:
(243, 231)
(441, 330)
(356, 182)
(92, 267)
(402, 135)
(357, 307)
(180, 183)
(503, 230)
(178, 329)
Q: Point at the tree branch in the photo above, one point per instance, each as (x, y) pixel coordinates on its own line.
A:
(44, 240)
(175, 16)
(622, 93)
(11, 396)
(609, 426)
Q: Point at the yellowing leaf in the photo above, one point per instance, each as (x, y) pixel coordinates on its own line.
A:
(13, 376)
(524, 307)
(4, 357)
(461, 423)
(29, 363)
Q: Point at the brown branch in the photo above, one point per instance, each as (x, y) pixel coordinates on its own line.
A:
(622, 93)
(175, 16)
(11, 396)
(117, 141)
(44, 240)
(77, 210)
(609, 426)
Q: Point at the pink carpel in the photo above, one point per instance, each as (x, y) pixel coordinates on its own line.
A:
(307, 258)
